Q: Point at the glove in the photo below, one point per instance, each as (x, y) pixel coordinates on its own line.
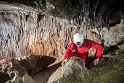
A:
(91, 52)
(63, 62)
(95, 62)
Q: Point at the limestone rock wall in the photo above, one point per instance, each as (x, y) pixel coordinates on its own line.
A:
(24, 33)
(113, 36)
(100, 12)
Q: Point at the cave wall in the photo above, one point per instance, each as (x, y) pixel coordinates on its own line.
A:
(102, 13)
(24, 33)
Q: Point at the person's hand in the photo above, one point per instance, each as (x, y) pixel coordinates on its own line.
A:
(63, 62)
(95, 62)
(91, 52)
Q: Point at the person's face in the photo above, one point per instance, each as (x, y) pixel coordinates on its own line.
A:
(78, 44)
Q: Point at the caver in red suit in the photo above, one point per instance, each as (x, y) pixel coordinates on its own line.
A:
(79, 47)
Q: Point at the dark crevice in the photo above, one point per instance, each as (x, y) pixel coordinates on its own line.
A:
(113, 48)
(46, 73)
(41, 62)
(4, 77)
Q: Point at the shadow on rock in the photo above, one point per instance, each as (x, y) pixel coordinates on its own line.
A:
(36, 63)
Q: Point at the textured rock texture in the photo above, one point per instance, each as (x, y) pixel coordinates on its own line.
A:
(43, 76)
(99, 12)
(113, 36)
(11, 71)
(27, 32)
(35, 64)
(72, 72)
(18, 70)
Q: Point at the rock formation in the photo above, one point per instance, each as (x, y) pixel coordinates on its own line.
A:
(72, 72)
(113, 36)
(26, 32)
(11, 71)
(102, 13)
(35, 64)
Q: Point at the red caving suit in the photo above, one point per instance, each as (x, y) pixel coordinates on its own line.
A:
(81, 52)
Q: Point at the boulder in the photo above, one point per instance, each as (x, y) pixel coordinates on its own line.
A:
(72, 72)
(11, 71)
(93, 36)
(113, 36)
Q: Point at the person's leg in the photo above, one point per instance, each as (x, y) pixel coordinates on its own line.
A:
(90, 57)
(89, 62)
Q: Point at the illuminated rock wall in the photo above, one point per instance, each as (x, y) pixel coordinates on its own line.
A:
(24, 33)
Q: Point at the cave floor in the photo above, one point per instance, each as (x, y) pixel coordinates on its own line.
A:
(43, 76)
(109, 70)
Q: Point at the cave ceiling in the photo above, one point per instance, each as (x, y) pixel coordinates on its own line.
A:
(101, 13)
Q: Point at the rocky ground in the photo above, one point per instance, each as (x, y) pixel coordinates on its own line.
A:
(109, 70)
(43, 76)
